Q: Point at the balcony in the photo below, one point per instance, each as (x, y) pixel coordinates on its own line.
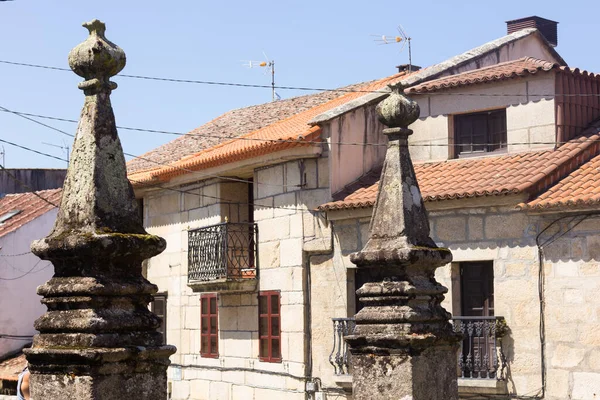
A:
(223, 258)
(477, 359)
(478, 354)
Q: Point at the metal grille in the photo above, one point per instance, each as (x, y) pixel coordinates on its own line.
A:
(223, 251)
(478, 355)
(340, 356)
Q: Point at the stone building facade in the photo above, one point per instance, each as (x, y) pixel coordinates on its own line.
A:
(309, 193)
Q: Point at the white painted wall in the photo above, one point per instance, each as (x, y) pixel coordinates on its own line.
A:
(530, 118)
(19, 304)
(350, 162)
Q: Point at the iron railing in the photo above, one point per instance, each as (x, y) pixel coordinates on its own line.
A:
(478, 354)
(340, 356)
(223, 251)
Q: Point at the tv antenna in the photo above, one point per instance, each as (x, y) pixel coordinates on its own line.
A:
(270, 65)
(64, 147)
(3, 154)
(402, 38)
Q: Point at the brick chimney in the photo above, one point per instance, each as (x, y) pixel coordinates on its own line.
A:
(548, 28)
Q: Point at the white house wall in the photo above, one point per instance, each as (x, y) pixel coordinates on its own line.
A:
(350, 162)
(19, 302)
(530, 118)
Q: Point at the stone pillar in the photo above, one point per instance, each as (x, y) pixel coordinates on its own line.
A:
(403, 346)
(98, 340)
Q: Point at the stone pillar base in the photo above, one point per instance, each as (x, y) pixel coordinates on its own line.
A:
(147, 386)
(428, 375)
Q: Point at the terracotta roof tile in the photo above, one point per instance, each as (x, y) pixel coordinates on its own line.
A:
(292, 131)
(12, 367)
(529, 172)
(578, 189)
(30, 206)
(503, 71)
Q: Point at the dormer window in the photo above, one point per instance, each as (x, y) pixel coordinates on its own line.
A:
(479, 133)
(8, 215)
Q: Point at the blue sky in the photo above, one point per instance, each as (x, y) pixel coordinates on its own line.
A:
(314, 43)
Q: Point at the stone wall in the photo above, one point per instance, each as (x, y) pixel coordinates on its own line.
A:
(508, 238)
(530, 118)
(284, 195)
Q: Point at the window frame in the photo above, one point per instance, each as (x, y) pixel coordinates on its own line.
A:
(209, 352)
(498, 147)
(269, 294)
(162, 296)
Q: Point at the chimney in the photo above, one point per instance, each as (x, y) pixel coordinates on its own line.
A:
(407, 68)
(548, 28)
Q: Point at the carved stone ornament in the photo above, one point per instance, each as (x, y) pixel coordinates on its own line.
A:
(98, 340)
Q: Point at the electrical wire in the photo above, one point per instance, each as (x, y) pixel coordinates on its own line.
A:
(195, 173)
(26, 273)
(15, 255)
(32, 150)
(25, 185)
(411, 144)
(303, 88)
(15, 337)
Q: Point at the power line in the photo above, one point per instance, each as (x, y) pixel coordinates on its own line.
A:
(161, 187)
(15, 255)
(15, 337)
(26, 273)
(147, 159)
(202, 82)
(32, 150)
(410, 144)
(23, 184)
(313, 89)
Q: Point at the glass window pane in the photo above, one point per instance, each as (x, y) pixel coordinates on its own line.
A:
(275, 326)
(264, 348)
(204, 325)
(275, 348)
(213, 305)
(262, 304)
(213, 325)
(213, 345)
(204, 304)
(263, 326)
(204, 344)
(275, 304)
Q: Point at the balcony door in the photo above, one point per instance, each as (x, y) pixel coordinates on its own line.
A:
(477, 285)
(477, 301)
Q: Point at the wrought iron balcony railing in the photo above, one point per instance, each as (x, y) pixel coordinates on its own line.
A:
(478, 357)
(478, 354)
(340, 356)
(226, 251)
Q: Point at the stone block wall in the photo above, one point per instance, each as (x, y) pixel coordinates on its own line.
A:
(507, 237)
(284, 197)
(572, 279)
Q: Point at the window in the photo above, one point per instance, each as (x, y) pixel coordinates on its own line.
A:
(269, 327)
(159, 307)
(209, 328)
(482, 132)
(477, 286)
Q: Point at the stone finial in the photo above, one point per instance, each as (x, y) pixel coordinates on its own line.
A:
(400, 226)
(97, 58)
(98, 340)
(402, 338)
(397, 110)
